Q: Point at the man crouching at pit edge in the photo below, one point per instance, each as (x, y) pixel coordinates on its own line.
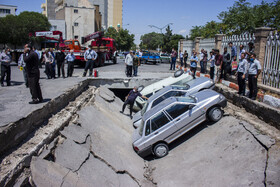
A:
(130, 98)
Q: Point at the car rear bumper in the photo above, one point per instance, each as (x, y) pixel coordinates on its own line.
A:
(145, 152)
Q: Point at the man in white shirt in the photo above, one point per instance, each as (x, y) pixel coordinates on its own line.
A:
(253, 71)
(129, 64)
(201, 55)
(140, 56)
(90, 56)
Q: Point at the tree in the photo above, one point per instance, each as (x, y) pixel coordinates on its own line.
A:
(151, 41)
(16, 29)
(166, 40)
(123, 39)
(174, 41)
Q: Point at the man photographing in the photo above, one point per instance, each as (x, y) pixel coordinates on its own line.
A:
(33, 73)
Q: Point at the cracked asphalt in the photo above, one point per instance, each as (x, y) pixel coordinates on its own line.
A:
(95, 150)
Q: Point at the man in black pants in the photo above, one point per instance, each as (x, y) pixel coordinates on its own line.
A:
(253, 71)
(60, 57)
(33, 74)
(5, 59)
(225, 65)
(241, 73)
(130, 98)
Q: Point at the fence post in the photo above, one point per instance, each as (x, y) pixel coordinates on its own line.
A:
(218, 42)
(197, 41)
(261, 35)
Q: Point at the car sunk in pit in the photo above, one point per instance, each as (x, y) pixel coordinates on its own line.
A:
(174, 117)
(189, 88)
(180, 78)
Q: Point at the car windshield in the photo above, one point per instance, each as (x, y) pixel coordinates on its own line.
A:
(144, 108)
(180, 87)
(188, 99)
(191, 83)
(141, 128)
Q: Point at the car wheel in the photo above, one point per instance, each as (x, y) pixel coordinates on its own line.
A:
(178, 73)
(215, 114)
(161, 150)
(140, 88)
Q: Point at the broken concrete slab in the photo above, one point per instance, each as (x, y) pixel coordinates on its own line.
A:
(106, 94)
(75, 133)
(71, 155)
(222, 154)
(273, 166)
(272, 101)
(46, 173)
(98, 173)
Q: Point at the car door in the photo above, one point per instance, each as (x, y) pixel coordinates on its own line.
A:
(158, 128)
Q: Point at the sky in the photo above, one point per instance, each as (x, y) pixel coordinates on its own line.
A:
(138, 14)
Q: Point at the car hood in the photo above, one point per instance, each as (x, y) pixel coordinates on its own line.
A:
(205, 94)
(137, 116)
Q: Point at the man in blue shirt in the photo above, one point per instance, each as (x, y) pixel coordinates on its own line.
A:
(130, 98)
(90, 56)
(241, 72)
(253, 71)
(5, 60)
(70, 60)
(193, 64)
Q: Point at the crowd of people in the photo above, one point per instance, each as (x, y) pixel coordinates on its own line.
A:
(31, 60)
(245, 68)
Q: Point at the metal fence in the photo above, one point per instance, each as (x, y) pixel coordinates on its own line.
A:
(271, 69)
(238, 40)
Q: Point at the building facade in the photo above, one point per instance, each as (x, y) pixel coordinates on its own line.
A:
(7, 10)
(83, 17)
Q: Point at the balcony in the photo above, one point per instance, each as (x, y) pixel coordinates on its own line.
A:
(59, 2)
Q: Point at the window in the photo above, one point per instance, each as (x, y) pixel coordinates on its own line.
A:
(53, 28)
(158, 121)
(148, 128)
(177, 110)
(75, 10)
(76, 37)
(167, 95)
(5, 11)
(76, 42)
(76, 24)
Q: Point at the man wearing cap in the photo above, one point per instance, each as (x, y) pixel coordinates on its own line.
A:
(89, 56)
(33, 73)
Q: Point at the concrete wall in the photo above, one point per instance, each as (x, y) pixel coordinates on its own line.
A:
(5, 8)
(86, 23)
(51, 6)
(58, 25)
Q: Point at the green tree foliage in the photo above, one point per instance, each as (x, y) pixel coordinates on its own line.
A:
(167, 41)
(240, 18)
(16, 29)
(151, 41)
(124, 40)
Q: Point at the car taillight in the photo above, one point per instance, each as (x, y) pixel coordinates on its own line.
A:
(135, 148)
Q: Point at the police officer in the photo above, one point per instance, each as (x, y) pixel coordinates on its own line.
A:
(89, 56)
(5, 59)
(33, 73)
(241, 72)
(253, 71)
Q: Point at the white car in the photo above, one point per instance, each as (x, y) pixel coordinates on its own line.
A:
(180, 78)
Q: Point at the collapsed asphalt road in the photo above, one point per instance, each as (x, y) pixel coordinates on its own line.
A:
(95, 150)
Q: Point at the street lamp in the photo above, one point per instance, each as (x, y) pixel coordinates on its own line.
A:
(73, 26)
(160, 28)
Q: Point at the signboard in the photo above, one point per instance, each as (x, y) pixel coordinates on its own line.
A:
(46, 33)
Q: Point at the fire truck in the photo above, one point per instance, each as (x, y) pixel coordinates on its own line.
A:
(105, 47)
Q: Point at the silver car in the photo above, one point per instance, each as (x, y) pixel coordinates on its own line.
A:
(174, 117)
(189, 88)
